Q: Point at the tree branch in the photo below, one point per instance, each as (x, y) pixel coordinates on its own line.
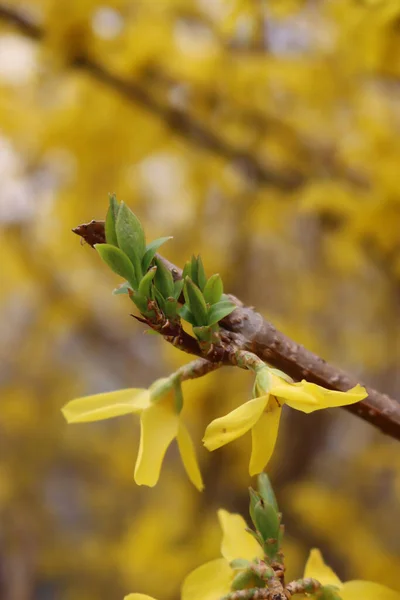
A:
(178, 121)
(245, 329)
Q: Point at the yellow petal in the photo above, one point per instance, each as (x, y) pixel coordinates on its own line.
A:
(208, 582)
(105, 406)
(188, 456)
(159, 426)
(235, 424)
(366, 590)
(236, 541)
(138, 597)
(263, 436)
(308, 397)
(317, 569)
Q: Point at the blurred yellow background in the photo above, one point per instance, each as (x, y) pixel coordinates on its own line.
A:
(264, 135)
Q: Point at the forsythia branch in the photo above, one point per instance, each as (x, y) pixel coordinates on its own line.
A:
(246, 330)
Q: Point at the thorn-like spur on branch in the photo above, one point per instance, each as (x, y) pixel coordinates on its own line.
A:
(178, 121)
(245, 329)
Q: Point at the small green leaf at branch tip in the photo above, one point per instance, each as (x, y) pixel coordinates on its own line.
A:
(187, 270)
(220, 311)
(200, 278)
(140, 302)
(145, 284)
(130, 236)
(151, 251)
(194, 298)
(266, 491)
(213, 289)
(163, 280)
(160, 299)
(124, 288)
(171, 307)
(178, 287)
(186, 315)
(267, 522)
(118, 262)
(111, 219)
(254, 498)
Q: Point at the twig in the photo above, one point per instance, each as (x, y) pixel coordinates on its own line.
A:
(245, 329)
(178, 121)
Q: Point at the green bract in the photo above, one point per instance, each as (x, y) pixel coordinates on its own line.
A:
(195, 301)
(111, 219)
(202, 300)
(163, 280)
(131, 238)
(151, 250)
(118, 262)
(213, 289)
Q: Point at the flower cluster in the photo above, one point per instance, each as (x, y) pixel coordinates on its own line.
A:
(160, 407)
(215, 579)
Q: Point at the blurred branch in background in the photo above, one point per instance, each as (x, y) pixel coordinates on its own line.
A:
(177, 120)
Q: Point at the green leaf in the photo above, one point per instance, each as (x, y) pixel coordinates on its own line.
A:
(187, 270)
(160, 299)
(267, 522)
(213, 289)
(151, 250)
(171, 307)
(186, 315)
(255, 535)
(140, 301)
(178, 287)
(220, 310)
(111, 219)
(200, 278)
(194, 298)
(163, 279)
(122, 289)
(266, 491)
(145, 284)
(118, 262)
(130, 236)
(254, 498)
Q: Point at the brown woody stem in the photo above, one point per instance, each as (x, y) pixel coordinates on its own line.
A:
(245, 330)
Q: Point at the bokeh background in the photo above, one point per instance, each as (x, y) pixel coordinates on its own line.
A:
(264, 135)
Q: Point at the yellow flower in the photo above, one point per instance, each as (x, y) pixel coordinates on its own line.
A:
(351, 590)
(213, 579)
(160, 423)
(138, 597)
(262, 414)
